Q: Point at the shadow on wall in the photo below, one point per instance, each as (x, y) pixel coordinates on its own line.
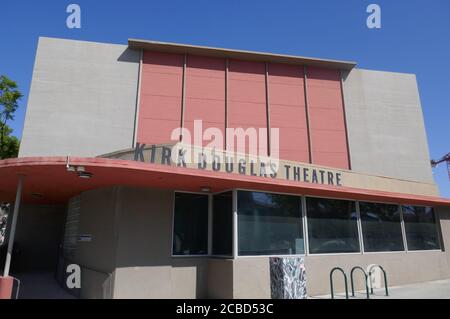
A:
(190, 273)
(443, 214)
(144, 265)
(129, 55)
(38, 235)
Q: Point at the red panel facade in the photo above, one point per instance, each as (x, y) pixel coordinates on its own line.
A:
(161, 91)
(205, 94)
(240, 102)
(247, 98)
(326, 118)
(287, 111)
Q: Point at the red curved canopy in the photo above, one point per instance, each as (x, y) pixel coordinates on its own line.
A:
(46, 180)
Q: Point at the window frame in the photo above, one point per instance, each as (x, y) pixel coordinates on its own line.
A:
(402, 224)
(173, 225)
(360, 252)
(211, 229)
(304, 219)
(236, 226)
(437, 221)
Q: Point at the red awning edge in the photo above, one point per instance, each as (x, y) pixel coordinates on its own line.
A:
(46, 180)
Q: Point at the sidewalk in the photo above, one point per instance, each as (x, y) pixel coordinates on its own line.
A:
(425, 290)
(41, 286)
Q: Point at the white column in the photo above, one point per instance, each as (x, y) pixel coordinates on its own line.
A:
(305, 225)
(402, 224)
(12, 231)
(210, 223)
(235, 226)
(360, 230)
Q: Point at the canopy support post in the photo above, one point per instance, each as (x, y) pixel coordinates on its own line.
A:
(13, 227)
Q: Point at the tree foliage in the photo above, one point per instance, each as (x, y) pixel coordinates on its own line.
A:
(10, 144)
(9, 102)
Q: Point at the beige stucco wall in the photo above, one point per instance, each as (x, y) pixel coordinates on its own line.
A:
(385, 126)
(444, 217)
(144, 224)
(144, 266)
(220, 278)
(131, 232)
(97, 257)
(252, 277)
(80, 91)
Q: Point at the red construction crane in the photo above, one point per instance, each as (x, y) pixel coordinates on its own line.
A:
(446, 158)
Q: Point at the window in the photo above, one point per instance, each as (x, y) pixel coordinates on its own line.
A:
(332, 226)
(381, 227)
(421, 228)
(190, 224)
(223, 224)
(269, 224)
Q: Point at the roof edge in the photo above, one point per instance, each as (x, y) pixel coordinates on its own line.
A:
(21, 166)
(237, 54)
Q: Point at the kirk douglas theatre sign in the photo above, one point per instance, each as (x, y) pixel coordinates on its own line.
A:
(187, 156)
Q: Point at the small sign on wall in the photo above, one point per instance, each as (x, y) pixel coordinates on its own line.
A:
(85, 238)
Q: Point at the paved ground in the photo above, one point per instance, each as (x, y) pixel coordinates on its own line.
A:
(427, 290)
(40, 286)
(44, 286)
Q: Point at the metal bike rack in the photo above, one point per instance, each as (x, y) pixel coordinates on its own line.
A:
(365, 280)
(384, 275)
(331, 281)
(18, 287)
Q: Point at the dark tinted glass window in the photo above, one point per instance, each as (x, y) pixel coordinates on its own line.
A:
(190, 224)
(223, 224)
(381, 227)
(421, 228)
(332, 226)
(269, 224)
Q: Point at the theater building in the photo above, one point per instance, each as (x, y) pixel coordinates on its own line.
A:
(96, 184)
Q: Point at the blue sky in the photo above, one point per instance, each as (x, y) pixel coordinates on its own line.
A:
(414, 38)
